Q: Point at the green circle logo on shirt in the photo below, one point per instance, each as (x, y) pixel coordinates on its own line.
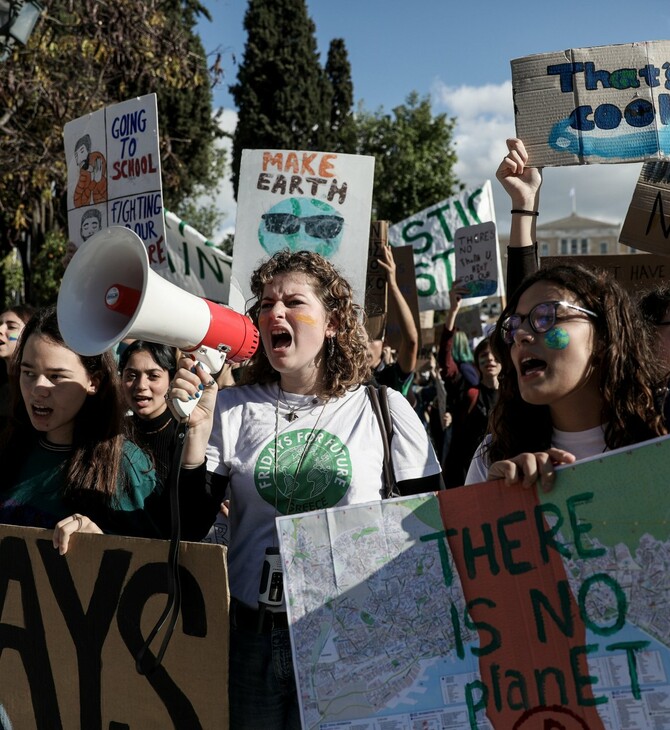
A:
(312, 471)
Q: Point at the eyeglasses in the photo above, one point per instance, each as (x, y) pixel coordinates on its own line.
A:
(317, 226)
(541, 318)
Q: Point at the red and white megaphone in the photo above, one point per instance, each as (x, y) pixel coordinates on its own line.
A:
(109, 293)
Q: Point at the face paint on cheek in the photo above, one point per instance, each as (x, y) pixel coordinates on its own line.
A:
(557, 339)
(12, 338)
(305, 319)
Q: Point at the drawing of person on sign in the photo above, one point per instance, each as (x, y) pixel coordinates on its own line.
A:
(91, 222)
(301, 224)
(92, 184)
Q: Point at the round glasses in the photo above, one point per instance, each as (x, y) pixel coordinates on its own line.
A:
(317, 226)
(541, 318)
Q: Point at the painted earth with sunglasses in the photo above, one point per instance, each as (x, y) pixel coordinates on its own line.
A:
(301, 224)
(577, 368)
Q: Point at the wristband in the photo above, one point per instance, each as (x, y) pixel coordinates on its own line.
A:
(520, 211)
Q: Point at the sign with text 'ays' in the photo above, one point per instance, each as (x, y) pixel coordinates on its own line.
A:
(489, 605)
(70, 628)
(431, 232)
(593, 105)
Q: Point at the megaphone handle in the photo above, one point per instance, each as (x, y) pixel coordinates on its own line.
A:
(210, 360)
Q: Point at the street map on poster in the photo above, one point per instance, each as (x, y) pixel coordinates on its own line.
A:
(488, 606)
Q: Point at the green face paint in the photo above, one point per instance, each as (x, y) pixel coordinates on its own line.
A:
(557, 338)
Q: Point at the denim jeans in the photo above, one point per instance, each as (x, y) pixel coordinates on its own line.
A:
(262, 693)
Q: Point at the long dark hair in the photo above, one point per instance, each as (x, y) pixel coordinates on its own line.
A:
(625, 359)
(349, 365)
(97, 444)
(163, 355)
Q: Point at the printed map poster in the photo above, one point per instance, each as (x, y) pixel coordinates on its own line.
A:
(647, 223)
(489, 606)
(593, 105)
(478, 259)
(315, 201)
(71, 627)
(430, 232)
(114, 174)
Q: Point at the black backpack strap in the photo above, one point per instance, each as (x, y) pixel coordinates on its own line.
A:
(380, 406)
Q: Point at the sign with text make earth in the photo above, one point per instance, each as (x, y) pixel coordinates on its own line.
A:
(594, 105)
(71, 627)
(489, 606)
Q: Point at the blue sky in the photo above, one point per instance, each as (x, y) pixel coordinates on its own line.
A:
(459, 54)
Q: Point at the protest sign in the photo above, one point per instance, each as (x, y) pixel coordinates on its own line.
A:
(430, 232)
(194, 263)
(635, 272)
(647, 223)
(403, 256)
(71, 626)
(375, 282)
(477, 256)
(488, 606)
(114, 174)
(314, 201)
(592, 105)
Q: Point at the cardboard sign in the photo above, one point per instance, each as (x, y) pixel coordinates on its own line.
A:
(114, 174)
(70, 628)
(489, 606)
(647, 224)
(591, 105)
(194, 263)
(430, 232)
(469, 320)
(406, 278)
(314, 201)
(635, 272)
(476, 252)
(376, 290)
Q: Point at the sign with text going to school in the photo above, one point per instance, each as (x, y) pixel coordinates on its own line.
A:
(71, 627)
(489, 606)
(314, 201)
(594, 105)
(114, 174)
(430, 232)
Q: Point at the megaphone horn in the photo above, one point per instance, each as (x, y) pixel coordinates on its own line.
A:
(110, 293)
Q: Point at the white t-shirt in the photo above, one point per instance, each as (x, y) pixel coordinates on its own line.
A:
(581, 444)
(332, 454)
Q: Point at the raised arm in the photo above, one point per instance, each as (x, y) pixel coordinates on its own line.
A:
(409, 346)
(522, 184)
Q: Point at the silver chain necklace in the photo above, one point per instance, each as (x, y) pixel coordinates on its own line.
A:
(292, 414)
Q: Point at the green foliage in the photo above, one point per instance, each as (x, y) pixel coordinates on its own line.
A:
(84, 55)
(282, 93)
(414, 157)
(11, 272)
(47, 269)
(342, 124)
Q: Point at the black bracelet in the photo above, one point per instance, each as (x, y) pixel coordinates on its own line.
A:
(519, 211)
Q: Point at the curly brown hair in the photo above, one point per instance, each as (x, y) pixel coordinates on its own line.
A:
(628, 369)
(349, 365)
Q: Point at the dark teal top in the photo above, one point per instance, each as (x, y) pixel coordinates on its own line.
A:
(38, 497)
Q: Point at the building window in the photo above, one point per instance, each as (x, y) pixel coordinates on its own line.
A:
(604, 247)
(564, 246)
(585, 246)
(544, 249)
(573, 247)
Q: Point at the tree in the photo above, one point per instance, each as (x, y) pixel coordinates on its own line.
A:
(414, 157)
(342, 124)
(83, 55)
(282, 93)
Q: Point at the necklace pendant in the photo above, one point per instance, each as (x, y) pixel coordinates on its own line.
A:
(290, 417)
